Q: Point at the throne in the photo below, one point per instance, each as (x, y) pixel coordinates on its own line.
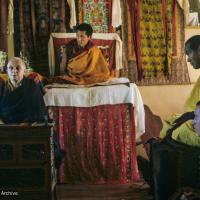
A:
(97, 125)
(109, 43)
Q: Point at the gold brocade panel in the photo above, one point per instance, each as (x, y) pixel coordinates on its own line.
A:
(155, 38)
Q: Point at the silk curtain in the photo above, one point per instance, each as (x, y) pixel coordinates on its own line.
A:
(142, 64)
(99, 143)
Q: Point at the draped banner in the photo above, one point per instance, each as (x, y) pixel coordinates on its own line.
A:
(34, 20)
(156, 38)
(99, 143)
(98, 13)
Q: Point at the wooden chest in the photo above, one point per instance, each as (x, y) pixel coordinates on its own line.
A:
(26, 163)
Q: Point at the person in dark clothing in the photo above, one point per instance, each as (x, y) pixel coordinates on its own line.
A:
(21, 98)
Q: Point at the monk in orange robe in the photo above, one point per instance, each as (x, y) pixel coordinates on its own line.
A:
(82, 62)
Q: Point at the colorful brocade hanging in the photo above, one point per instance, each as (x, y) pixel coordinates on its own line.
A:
(34, 21)
(156, 37)
(153, 26)
(97, 13)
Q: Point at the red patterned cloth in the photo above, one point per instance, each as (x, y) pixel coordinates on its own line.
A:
(99, 143)
(35, 76)
(154, 36)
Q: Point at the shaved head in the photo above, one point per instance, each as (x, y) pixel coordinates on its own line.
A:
(16, 60)
(16, 70)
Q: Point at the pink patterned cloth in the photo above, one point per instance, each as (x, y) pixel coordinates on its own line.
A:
(99, 143)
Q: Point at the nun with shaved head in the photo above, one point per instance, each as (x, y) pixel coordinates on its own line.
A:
(21, 98)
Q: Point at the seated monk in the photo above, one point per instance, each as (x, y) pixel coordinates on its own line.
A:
(185, 130)
(21, 98)
(82, 62)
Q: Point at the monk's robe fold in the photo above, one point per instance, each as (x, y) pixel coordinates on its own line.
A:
(84, 65)
(190, 104)
(22, 104)
(185, 133)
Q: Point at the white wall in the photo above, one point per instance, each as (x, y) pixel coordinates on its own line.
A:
(165, 100)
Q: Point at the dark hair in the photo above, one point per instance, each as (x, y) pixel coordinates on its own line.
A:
(193, 42)
(85, 27)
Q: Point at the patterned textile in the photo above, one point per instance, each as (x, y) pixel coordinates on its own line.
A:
(131, 50)
(25, 33)
(60, 16)
(37, 20)
(115, 91)
(159, 60)
(124, 34)
(79, 11)
(35, 77)
(99, 143)
(155, 38)
(98, 14)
